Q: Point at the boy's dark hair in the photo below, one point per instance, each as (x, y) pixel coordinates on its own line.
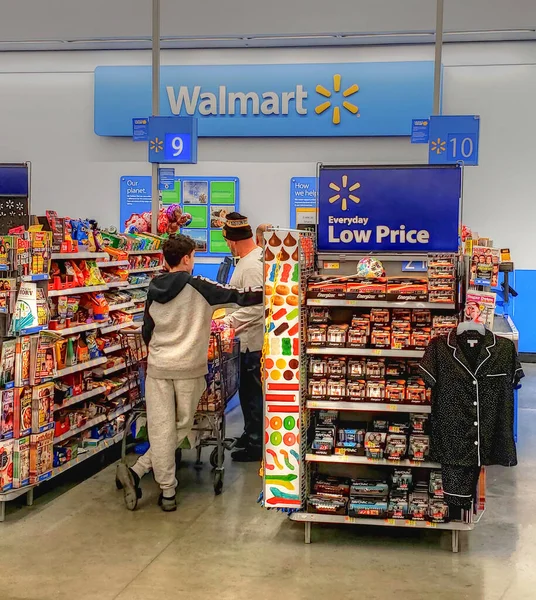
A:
(176, 248)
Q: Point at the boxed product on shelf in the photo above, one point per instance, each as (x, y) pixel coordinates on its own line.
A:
(326, 287)
(356, 368)
(395, 390)
(328, 485)
(402, 480)
(22, 361)
(443, 324)
(7, 362)
(22, 411)
(7, 419)
(363, 288)
(398, 505)
(436, 485)
(419, 447)
(350, 439)
(401, 289)
(64, 452)
(376, 390)
(324, 439)
(418, 423)
(375, 444)
(327, 505)
(42, 407)
(438, 511)
(336, 336)
(317, 335)
(6, 465)
(356, 389)
(21, 462)
(41, 454)
(395, 446)
(367, 507)
(418, 506)
(369, 488)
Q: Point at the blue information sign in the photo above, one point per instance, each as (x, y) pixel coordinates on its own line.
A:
(166, 178)
(454, 139)
(420, 131)
(386, 208)
(173, 140)
(140, 129)
(136, 196)
(303, 209)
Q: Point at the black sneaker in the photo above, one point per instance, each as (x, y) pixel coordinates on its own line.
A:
(130, 483)
(167, 504)
(247, 455)
(241, 442)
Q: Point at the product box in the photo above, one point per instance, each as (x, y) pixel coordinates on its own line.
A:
(327, 288)
(367, 289)
(22, 411)
(43, 407)
(6, 414)
(21, 462)
(407, 288)
(6, 465)
(367, 507)
(327, 505)
(41, 456)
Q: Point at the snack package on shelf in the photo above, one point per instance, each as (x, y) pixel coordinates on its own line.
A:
(7, 418)
(21, 462)
(41, 456)
(6, 465)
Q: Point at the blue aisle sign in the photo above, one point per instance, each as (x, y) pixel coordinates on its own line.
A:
(420, 131)
(290, 100)
(173, 140)
(303, 209)
(415, 266)
(135, 196)
(166, 178)
(384, 208)
(454, 139)
(140, 129)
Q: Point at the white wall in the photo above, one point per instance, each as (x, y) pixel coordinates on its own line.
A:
(46, 116)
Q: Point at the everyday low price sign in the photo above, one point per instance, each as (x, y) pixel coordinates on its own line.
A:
(389, 209)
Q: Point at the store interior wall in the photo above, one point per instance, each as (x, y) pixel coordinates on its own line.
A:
(46, 108)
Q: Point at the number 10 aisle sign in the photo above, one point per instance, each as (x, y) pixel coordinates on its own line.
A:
(454, 139)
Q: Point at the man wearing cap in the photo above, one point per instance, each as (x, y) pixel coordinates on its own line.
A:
(249, 326)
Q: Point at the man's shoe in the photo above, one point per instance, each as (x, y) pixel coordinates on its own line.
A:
(167, 504)
(241, 442)
(130, 483)
(247, 455)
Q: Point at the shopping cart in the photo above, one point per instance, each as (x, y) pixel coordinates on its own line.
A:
(222, 385)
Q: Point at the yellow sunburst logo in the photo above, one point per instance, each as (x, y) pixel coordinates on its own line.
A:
(157, 145)
(342, 191)
(347, 105)
(438, 146)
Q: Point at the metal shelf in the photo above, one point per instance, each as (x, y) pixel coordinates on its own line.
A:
(113, 348)
(366, 352)
(81, 366)
(38, 277)
(144, 251)
(113, 263)
(79, 255)
(122, 390)
(135, 286)
(117, 284)
(377, 462)
(120, 411)
(116, 327)
(77, 430)
(121, 306)
(136, 311)
(118, 367)
(368, 406)
(76, 329)
(81, 397)
(78, 290)
(90, 452)
(346, 520)
(146, 270)
(379, 304)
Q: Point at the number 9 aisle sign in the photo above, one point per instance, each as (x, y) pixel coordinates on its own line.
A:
(172, 140)
(454, 139)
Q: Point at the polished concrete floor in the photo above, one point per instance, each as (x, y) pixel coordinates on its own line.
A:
(78, 542)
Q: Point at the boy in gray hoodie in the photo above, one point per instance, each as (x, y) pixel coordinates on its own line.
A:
(176, 329)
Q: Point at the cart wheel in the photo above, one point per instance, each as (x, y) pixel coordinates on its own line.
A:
(214, 459)
(218, 482)
(118, 484)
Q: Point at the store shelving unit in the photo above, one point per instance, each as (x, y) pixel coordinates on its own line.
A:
(75, 431)
(112, 263)
(78, 328)
(81, 366)
(122, 306)
(116, 327)
(79, 255)
(145, 270)
(135, 252)
(81, 398)
(311, 405)
(78, 290)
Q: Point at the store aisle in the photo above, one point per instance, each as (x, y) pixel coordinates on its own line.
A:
(84, 544)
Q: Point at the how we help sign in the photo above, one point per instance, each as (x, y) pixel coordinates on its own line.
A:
(303, 201)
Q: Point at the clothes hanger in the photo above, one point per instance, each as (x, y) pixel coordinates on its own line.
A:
(471, 326)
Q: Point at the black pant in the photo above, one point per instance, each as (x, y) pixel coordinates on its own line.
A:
(250, 393)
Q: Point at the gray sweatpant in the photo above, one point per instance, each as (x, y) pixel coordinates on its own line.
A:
(171, 406)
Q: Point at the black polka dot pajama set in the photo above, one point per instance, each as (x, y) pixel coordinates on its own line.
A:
(472, 377)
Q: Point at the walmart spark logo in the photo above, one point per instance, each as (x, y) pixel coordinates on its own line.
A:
(342, 191)
(438, 146)
(347, 105)
(156, 145)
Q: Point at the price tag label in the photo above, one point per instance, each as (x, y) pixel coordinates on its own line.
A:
(351, 302)
(315, 301)
(411, 523)
(376, 352)
(389, 521)
(313, 404)
(392, 407)
(432, 525)
(331, 265)
(397, 346)
(350, 520)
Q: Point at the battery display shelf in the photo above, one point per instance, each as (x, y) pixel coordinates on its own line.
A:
(57, 346)
(359, 345)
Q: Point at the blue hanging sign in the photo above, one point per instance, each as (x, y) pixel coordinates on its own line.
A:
(173, 140)
(389, 208)
(454, 139)
(140, 129)
(420, 131)
(166, 178)
(303, 209)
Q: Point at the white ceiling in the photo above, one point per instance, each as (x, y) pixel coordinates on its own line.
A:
(99, 24)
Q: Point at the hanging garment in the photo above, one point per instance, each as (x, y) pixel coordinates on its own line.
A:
(460, 485)
(472, 420)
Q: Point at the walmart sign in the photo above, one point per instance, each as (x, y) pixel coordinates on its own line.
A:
(301, 100)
